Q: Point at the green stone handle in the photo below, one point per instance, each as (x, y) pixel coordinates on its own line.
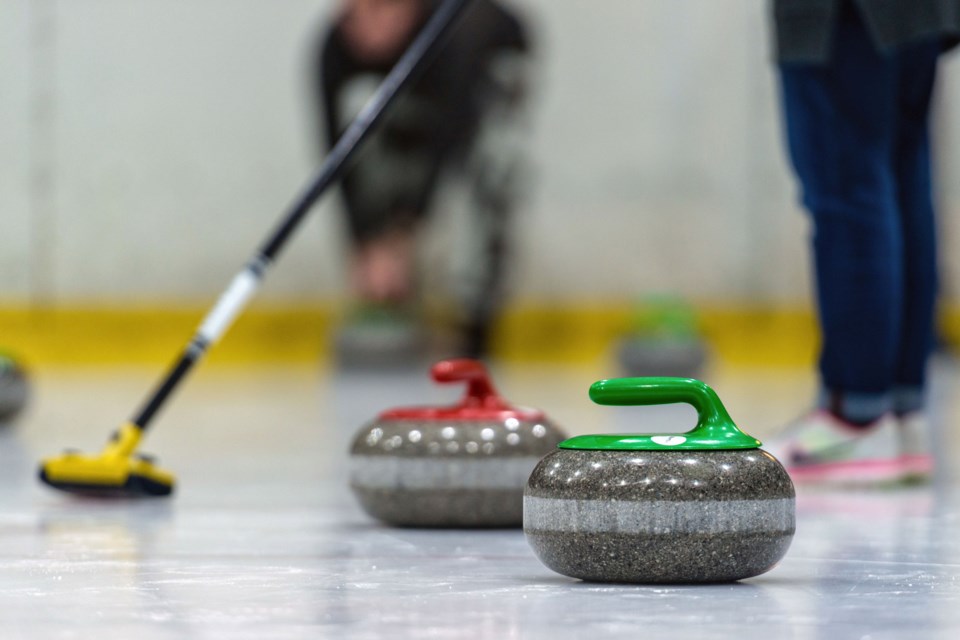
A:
(715, 429)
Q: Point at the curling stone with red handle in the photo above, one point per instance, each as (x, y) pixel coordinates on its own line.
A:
(457, 466)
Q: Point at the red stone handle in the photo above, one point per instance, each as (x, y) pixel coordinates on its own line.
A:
(481, 402)
(480, 391)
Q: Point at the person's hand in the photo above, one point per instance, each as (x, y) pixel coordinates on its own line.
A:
(382, 269)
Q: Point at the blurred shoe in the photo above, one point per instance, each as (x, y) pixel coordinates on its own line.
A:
(822, 448)
(916, 450)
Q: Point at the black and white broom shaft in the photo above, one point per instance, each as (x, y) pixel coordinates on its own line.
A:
(245, 283)
(214, 325)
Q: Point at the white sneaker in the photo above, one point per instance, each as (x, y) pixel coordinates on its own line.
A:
(916, 450)
(821, 448)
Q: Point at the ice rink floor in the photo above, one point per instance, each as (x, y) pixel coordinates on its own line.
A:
(263, 539)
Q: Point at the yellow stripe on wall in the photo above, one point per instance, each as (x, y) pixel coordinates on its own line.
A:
(150, 335)
(738, 335)
(541, 332)
(529, 331)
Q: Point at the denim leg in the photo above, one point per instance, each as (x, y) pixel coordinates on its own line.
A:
(841, 130)
(917, 70)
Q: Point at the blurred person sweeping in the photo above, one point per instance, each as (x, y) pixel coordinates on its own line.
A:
(857, 80)
(458, 123)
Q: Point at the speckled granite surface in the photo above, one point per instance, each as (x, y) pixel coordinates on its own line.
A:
(659, 516)
(14, 389)
(457, 474)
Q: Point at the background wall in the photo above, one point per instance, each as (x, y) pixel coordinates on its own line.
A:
(147, 145)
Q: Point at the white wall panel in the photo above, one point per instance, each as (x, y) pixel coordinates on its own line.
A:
(15, 229)
(183, 135)
(182, 128)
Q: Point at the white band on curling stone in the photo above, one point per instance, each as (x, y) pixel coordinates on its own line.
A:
(657, 517)
(391, 472)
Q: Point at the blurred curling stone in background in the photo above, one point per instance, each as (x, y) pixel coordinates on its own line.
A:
(381, 337)
(14, 388)
(663, 340)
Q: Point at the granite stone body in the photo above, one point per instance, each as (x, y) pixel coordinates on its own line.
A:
(14, 390)
(434, 473)
(659, 516)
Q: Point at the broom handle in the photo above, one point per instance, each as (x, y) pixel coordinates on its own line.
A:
(246, 283)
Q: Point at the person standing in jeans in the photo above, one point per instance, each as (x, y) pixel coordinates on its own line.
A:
(856, 84)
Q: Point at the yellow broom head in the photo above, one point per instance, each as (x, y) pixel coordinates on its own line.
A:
(114, 472)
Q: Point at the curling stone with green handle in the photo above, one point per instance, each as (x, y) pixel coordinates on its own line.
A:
(459, 466)
(704, 506)
(380, 337)
(664, 340)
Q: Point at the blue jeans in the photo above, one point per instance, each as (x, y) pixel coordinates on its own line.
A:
(858, 135)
